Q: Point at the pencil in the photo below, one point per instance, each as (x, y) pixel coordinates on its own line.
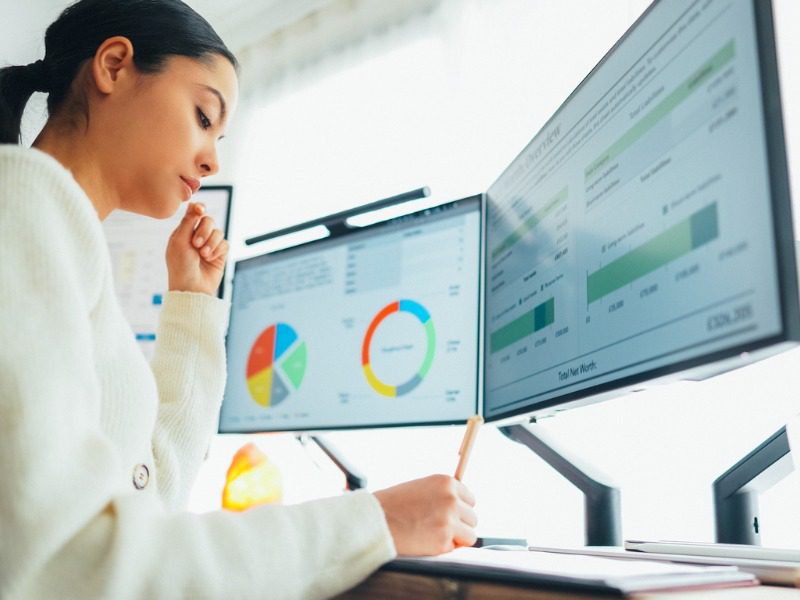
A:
(466, 444)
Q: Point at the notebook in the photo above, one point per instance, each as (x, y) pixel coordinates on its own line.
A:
(573, 571)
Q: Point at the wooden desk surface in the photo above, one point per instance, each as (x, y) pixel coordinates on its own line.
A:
(389, 585)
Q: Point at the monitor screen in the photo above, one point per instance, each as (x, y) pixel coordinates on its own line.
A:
(375, 327)
(645, 232)
(137, 245)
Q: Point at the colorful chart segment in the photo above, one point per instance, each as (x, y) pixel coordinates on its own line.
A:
(277, 354)
(419, 311)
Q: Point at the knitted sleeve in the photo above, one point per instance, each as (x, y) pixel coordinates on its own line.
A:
(189, 366)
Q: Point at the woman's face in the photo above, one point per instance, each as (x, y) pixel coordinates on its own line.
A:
(164, 133)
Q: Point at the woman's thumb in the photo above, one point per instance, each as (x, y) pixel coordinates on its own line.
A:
(194, 212)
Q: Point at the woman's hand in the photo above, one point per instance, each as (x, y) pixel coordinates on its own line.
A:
(196, 253)
(430, 515)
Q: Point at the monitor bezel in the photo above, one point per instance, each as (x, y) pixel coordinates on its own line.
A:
(713, 363)
(341, 237)
(226, 229)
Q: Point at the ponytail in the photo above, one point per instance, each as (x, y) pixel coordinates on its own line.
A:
(157, 29)
(17, 85)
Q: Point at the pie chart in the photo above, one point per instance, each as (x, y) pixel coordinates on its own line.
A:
(276, 365)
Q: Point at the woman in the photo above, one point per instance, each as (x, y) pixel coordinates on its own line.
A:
(98, 449)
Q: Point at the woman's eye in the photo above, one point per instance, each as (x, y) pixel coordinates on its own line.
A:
(205, 123)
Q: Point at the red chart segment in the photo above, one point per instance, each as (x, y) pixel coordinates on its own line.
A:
(262, 352)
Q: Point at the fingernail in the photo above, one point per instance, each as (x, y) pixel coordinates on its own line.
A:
(198, 242)
(206, 251)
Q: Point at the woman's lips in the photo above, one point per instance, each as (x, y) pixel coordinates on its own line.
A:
(192, 185)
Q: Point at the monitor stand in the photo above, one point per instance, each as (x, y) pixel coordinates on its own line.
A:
(736, 491)
(354, 479)
(601, 500)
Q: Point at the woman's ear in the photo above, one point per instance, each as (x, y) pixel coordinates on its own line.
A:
(112, 60)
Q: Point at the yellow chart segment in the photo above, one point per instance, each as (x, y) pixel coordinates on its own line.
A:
(377, 384)
(260, 386)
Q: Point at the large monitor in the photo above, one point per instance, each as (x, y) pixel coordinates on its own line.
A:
(645, 232)
(375, 327)
(138, 245)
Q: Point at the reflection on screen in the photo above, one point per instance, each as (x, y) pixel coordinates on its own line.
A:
(378, 327)
(635, 231)
(137, 245)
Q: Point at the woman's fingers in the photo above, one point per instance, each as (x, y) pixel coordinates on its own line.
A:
(464, 527)
(202, 232)
(196, 253)
(220, 252)
(429, 515)
(467, 515)
(464, 493)
(214, 239)
(208, 240)
(187, 224)
(464, 536)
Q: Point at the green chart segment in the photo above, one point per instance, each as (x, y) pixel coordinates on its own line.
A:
(530, 223)
(679, 240)
(705, 72)
(541, 316)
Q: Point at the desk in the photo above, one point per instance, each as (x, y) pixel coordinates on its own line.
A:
(389, 585)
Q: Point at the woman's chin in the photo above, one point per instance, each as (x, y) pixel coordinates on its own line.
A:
(166, 210)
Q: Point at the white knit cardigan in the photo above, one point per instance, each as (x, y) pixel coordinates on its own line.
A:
(82, 415)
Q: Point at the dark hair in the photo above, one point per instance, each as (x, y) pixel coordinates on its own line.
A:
(157, 29)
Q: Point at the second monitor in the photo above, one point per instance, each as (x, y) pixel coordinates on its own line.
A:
(645, 232)
(377, 327)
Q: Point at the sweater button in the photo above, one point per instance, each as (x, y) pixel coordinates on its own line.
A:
(141, 475)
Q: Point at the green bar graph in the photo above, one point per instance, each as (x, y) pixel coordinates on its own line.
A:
(677, 241)
(529, 223)
(541, 316)
(663, 108)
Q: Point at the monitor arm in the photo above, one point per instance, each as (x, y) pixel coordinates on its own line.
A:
(601, 500)
(736, 491)
(355, 480)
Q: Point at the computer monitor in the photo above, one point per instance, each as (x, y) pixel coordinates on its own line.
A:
(645, 232)
(375, 327)
(137, 245)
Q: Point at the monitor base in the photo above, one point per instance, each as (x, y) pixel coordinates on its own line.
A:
(601, 500)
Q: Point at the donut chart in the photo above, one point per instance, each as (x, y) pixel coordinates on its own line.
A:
(276, 365)
(423, 316)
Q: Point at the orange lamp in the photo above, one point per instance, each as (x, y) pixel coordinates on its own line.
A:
(251, 480)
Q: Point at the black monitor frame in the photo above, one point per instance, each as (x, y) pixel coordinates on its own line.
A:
(721, 361)
(226, 229)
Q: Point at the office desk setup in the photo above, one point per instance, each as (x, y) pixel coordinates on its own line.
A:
(634, 240)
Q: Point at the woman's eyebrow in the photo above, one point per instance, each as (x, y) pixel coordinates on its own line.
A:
(220, 97)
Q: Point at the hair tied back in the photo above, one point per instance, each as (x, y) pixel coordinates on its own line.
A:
(37, 72)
